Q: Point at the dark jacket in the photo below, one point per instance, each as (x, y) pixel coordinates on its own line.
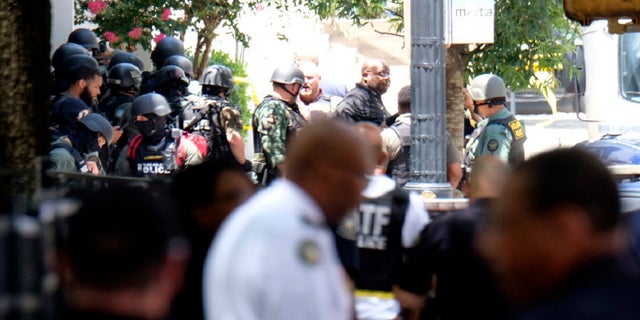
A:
(361, 104)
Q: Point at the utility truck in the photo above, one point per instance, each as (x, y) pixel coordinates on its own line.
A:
(611, 93)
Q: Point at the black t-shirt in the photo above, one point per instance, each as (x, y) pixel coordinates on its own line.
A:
(465, 287)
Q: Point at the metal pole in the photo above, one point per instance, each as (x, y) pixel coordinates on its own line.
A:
(428, 103)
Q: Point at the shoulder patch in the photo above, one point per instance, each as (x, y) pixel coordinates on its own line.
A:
(309, 252)
(492, 145)
(516, 127)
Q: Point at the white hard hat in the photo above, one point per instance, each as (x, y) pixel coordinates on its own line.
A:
(487, 86)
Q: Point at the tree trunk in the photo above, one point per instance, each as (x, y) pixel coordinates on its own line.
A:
(456, 63)
(24, 87)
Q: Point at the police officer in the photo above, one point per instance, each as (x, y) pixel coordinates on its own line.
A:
(155, 152)
(123, 82)
(81, 77)
(183, 63)
(173, 83)
(63, 52)
(243, 279)
(98, 50)
(387, 222)
(397, 142)
(85, 38)
(275, 120)
(167, 47)
(500, 133)
(124, 56)
(216, 118)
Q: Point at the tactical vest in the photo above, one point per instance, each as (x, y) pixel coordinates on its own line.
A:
(297, 122)
(110, 104)
(378, 237)
(208, 122)
(152, 161)
(516, 153)
(398, 169)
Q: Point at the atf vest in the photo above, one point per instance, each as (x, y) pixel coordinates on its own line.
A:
(207, 115)
(516, 153)
(399, 168)
(378, 237)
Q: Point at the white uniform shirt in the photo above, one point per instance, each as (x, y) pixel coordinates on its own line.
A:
(416, 217)
(274, 258)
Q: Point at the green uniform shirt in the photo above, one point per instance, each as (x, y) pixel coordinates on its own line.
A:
(271, 121)
(493, 139)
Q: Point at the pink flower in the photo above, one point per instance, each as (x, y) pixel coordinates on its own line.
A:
(260, 7)
(111, 36)
(166, 14)
(159, 37)
(97, 6)
(135, 33)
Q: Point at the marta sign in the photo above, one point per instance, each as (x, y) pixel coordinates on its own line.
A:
(469, 21)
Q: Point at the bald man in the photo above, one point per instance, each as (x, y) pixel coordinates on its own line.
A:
(332, 85)
(313, 101)
(388, 222)
(465, 287)
(364, 101)
(275, 256)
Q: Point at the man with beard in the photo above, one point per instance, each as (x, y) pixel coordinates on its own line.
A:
(157, 151)
(313, 101)
(364, 102)
(83, 79)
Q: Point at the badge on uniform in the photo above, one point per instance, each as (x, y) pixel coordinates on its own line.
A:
(309, 252)
(492, 145)
(516, 127)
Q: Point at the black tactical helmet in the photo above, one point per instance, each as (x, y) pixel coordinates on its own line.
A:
(218, 75)
(150, 103)
(171, 74)
(65, 51)
(125, 75)
(78, 66)
(98, 123)
(180, 61)
(124, 56)
(287, 75)
(164, 49)
(85, 38)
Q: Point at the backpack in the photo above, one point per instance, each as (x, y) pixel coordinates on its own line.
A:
(198, 140)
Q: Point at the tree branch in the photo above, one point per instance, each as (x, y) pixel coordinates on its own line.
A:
(389, 33)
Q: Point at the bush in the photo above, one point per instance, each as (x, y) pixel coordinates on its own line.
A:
(239, 94)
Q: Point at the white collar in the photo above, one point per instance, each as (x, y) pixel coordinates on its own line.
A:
(378, 185)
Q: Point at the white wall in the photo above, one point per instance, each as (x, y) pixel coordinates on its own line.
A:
(61, 22)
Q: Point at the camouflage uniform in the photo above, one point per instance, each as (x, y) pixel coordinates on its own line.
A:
(274, 122)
